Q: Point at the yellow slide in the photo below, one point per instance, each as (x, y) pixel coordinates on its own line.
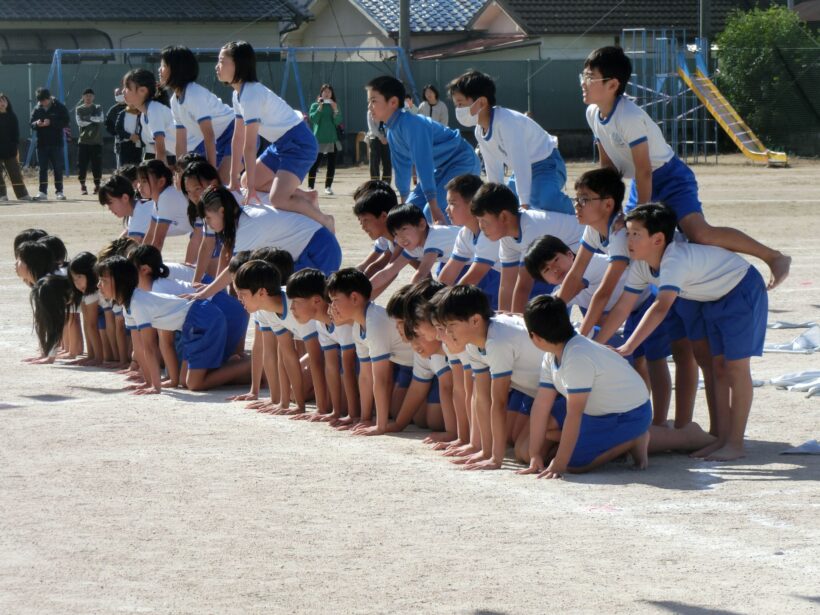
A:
(726, 116)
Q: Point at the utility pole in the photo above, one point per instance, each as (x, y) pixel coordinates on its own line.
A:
(404, 30)
(705, 26)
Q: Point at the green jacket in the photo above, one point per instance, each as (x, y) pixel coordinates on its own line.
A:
(324, 122)
(90, 121)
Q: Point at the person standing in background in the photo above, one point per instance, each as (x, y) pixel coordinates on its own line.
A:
(122, 123)
(381, 167)
(9, 143)
(49, 118)
(89, 146)
(432, 107)
(325, 117)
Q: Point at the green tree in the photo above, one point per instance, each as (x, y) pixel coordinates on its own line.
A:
(769, 69)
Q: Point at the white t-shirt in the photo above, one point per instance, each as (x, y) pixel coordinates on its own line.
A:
(424, 369)
(534, 224)
(509, 351)
(627, 126)
(383, 244)
(180, 272)
(91, 298)
(158, 121)
(172, 209)
(197, 105)
(592, 278)
(517, 142)
(140, 220)
(440, 241)
(280, 323)
(256, 103)
(158, 310)
(261, 226)
(696, 272)
(380, 339)
(335, 335)
(588, 367)
(470, 248)
(614, 245)
(170, 286)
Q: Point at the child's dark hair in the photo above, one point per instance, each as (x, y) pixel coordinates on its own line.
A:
(50, 299)
(237, 260)
(29, 234)
(542, 251)
(182, 64)
(258, 274)
(190, 158)
(375, 203)
(125, 276)
(219, 196)
(244, 59)
(128, 171)
(156, 169)
(463, 301)
(281, 259)
(144, 78)
(403, 215)
(473, 84)
(389, 87)
(494, 199)
(57, 247)
(83, 264)
(121, 246)
(395, 305)
(307, 283)
(369, 186)
(546, 316)
(37, 258)
(347, 281)
(612, 63)
(114, 187)
(149, 255)
(606, 182)
(415, 304)
(466, 185)
(200, 170)
(656, 218)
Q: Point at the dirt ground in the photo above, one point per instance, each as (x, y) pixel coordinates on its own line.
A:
(185, 503)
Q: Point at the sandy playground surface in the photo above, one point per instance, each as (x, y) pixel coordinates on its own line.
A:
(187, 504)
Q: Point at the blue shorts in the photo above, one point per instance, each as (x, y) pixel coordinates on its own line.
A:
(687, 320)
(675, 186)
(236, 321)
(322, 252)
(100, 319)
(294, 152)
(434, 395)
(599, 434)
(223, 144)
(202, 339)
(548, 179)
(736, 323)
(402, 375)
(465, 162)
(656, 346)
(217, 247)
(490, 284)
(539, 287)
(519, 402)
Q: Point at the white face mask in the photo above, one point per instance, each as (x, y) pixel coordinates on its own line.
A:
(119, 98)
(465, 118)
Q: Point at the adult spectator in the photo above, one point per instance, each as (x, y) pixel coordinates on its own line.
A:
(432, 107)
(9, 151)
(49, 118)
(122, 123)
(325, 117)
(381, 167)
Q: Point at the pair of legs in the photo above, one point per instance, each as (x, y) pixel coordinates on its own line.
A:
(12, 168)
(50, 155)
(284, 192)
(232, 372)
(381, 166)
(331, 170)
(89, 154)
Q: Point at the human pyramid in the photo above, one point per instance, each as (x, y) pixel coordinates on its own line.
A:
(479, 347)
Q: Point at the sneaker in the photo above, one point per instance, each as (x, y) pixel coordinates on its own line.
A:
(60, 196)
(96, 190)
(329, 191)
(83, 191)
(41, 197)
(4, 199)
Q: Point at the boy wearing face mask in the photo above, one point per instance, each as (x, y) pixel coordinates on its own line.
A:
(122, 123)
(507, 137)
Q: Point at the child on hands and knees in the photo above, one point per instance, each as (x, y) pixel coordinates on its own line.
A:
(373, 200)
(720, 299)
(631, 142)
(607, 411)
(385, 360)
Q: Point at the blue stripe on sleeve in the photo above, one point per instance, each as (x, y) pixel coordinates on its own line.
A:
(669, 287)
(546, 385)
(638, 141)
(379, 358)
(629, 289)
(586, 390)
(501, 375)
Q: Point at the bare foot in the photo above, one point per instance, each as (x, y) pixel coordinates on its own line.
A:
(640, 452)
(780, 270)
(697, 438)
(727, 453)
(707, 450)
(329, 222)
